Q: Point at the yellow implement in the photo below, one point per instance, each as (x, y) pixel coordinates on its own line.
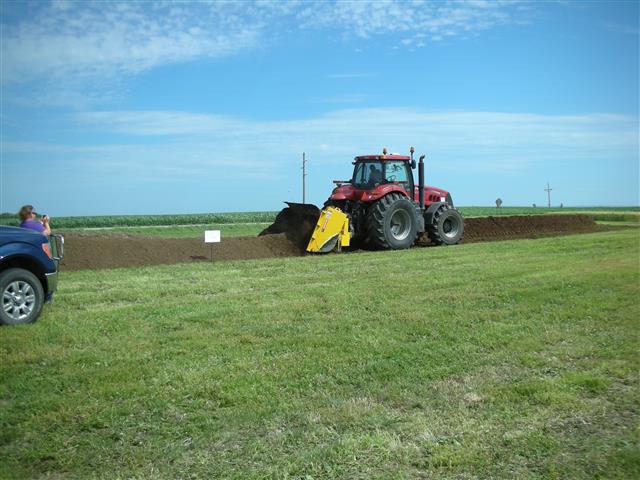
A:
(331, 231)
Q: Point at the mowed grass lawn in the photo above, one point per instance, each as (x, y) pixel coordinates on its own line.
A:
(513, 359)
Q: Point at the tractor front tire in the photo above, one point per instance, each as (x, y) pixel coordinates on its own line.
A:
(447, 226)
(391, 223)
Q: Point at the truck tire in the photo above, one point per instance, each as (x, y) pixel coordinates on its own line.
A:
(446, 226)
(391, 223)
(22, 297)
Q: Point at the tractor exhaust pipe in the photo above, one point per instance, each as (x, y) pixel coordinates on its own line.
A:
(421, 182)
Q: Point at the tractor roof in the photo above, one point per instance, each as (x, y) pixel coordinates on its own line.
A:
(363, 158)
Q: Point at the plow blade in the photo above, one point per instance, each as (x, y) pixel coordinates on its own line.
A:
(331, 232)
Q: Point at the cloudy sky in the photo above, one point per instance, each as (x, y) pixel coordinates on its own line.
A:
(167, 107)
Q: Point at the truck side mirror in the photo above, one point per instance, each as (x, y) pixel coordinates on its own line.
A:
(413, 164)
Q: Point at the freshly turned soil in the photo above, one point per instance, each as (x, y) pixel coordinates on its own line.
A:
(283, 240)
(114, 251)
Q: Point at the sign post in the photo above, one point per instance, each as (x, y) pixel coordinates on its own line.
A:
(211, 237)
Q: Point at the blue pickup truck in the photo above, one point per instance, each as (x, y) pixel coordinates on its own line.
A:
(28, 273)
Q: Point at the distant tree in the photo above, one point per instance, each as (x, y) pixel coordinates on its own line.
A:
(498, 202)
(534, 205)
(561, 205)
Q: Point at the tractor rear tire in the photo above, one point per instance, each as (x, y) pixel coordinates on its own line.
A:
(447, 226)
(391, 223)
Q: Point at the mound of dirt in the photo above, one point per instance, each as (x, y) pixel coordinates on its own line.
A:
(286, 238)
(113, 251)
(525, 226)
(297, 222)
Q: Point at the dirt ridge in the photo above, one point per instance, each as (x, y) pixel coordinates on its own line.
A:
(121, 250)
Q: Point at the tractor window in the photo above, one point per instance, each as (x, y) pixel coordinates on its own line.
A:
(395, 172)
(367, 174)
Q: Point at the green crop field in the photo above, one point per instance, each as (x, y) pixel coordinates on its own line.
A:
(514, 359)
(252, 223)
(151, 220)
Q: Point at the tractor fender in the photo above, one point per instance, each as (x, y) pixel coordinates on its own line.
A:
(431, 210)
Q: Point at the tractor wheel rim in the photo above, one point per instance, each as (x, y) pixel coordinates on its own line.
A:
(400, 225)
(450, 227)
(18, 300)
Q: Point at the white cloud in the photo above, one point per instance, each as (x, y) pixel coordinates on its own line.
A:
(370, 18)
(159, 123)
(87, 41)
(470, 141)
(189, 157)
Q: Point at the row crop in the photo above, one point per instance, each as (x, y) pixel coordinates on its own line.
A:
(152, 220)
(597, 213)
(594, 212)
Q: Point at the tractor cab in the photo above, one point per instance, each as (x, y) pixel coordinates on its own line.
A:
(371, 171)
(375, 176)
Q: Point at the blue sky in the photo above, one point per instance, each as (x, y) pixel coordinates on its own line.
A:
(148, 108)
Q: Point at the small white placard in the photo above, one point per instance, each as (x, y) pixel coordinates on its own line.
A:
(212, 236)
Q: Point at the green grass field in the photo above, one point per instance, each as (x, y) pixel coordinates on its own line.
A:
(513, 359)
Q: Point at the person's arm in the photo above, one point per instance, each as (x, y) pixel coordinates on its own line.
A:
(45, 224)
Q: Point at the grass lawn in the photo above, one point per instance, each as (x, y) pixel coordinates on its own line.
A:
(509, 360)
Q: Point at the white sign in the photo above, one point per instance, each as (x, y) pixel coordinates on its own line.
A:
(212, 236)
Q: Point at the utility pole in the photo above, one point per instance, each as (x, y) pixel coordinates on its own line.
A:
(548, 190)
(304, 174)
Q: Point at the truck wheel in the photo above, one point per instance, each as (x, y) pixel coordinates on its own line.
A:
(391, 222)
(22, 297)
(447, 226)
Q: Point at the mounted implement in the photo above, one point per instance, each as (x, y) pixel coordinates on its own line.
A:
(381, 206)
(331, 231)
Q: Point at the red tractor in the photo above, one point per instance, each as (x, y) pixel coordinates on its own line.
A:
(380, 206)
(388, 210)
